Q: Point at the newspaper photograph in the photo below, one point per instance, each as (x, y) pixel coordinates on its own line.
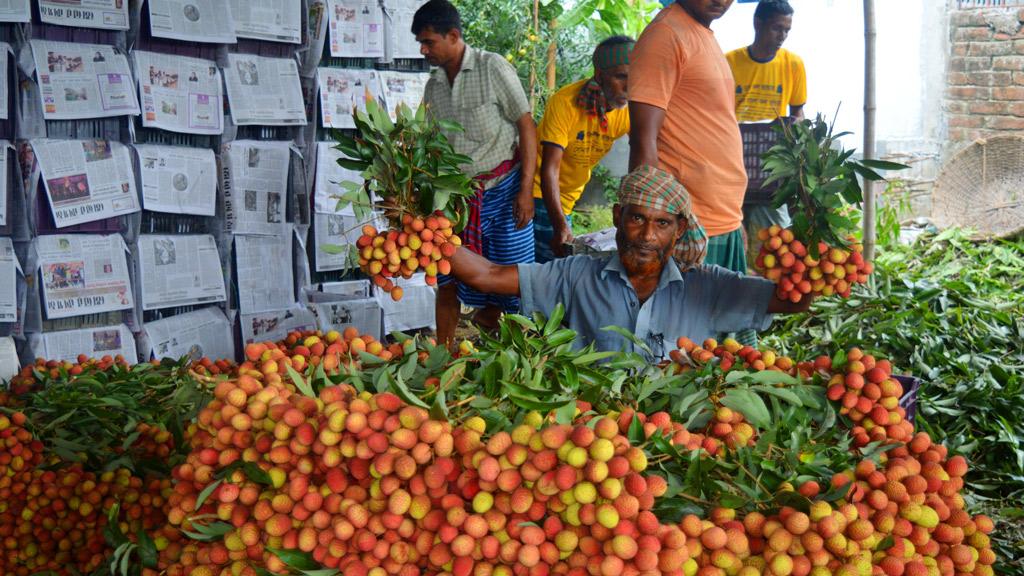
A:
(86, 180)
(402, 88)
(178, 180)
(342, 91)
(192, 20)
(255, 186)
(263, 267)
(179, 93)
(205, 332)
(93, 342)
(273, 20)
(356, 28)
(264, 91)
(275, 325)
(83, 274)
(9, 269)
(83, 80)
(179, 270)
(9, 363)
(15, 11)
(105, 14)
(336, 230)
(404, 44)
(5, 54)
(364, 314)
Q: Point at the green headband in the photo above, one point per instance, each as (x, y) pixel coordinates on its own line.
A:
(612, 55)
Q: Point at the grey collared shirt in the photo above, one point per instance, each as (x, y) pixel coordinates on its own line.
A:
(596, 292)
(487, 99)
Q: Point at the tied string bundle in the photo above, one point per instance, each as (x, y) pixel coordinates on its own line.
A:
(652, 188)
(591, 96)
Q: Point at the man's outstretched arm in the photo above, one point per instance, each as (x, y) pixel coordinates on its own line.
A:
(483, 275)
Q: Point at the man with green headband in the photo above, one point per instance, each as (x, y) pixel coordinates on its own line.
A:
(581, 122)
(653, 285)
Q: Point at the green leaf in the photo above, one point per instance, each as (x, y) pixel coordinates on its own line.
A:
(295, 559)
(566, 413)
(147, 549)
(635, 432)
(793, 500)
(883, 165)
(301, 384)
(749, 404)
(209, 533)
(397, 385)
(206, 493)
(453, 375)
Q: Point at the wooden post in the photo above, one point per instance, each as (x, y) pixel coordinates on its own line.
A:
(869, 125)
(533, 55)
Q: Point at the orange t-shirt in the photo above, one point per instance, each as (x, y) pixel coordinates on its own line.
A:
(678, 66)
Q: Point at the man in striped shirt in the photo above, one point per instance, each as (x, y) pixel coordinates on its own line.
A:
(481, 91)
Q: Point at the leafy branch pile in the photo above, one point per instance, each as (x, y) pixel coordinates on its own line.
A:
(951, 312)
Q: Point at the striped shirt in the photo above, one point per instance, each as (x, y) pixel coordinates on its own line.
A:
(487, 99)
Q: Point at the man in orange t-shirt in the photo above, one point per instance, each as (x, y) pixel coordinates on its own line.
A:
(682, 112)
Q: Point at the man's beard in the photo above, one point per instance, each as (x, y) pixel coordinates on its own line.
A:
(636, 267)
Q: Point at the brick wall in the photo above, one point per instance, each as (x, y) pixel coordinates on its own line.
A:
(985, 78)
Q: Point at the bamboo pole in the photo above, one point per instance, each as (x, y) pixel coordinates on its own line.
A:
(869, 125)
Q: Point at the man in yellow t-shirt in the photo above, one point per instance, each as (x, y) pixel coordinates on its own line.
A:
(769, 79)
(580, 124)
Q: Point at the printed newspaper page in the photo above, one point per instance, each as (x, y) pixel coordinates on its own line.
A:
(356, 28)
(93, 342)
(83, 81)
(316, 34)
(9, 269)
(179, 270)
(15, 11)
(83, 274)
(204, 332)
(402, 39)
(275, 325)
(255, 186)
(273, 20)
(9, 363)
(264, 272)
(5, 54)
(343, 90)
(106, 14)
(86, 180)
(264, 91)
(179, 93)
(330, 224)
(4, 148)
(192, 20)
(402, 88)
(178, 180)
(364, 314)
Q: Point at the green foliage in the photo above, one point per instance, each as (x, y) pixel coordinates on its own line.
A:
(950, 312)
(507, 28)
(818, 179)
(92, 418)
(408, 164)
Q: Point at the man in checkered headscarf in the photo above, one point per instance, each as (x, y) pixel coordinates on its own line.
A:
(654, 285)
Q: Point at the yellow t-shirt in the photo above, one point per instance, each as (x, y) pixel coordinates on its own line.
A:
(579, 135)
(764, 90)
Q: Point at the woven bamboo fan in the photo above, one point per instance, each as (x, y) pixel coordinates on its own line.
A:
(982, 188)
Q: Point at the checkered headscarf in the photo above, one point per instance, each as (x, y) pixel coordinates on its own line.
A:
(650, 187)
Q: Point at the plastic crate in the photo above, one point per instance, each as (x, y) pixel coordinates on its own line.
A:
(758, 139)
(911, 391)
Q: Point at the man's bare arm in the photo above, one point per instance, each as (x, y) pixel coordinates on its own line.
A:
(523, 207)
(483, 275)
(645, 122)
(550, 170)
